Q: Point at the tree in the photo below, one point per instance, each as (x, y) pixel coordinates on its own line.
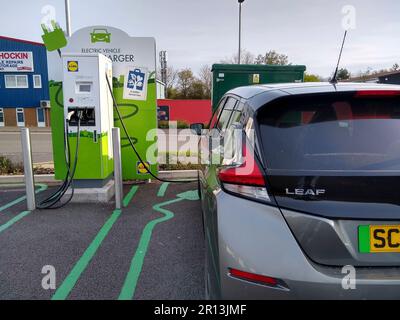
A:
(271, 57)
(172, 93)
(260, 59)
(246, 57)
(190, 87)
(205, 76)
(197, 90)
(275, 58)
(312, 78)
(172, 76)
(343, 74)
(395, 67)
(184, 83)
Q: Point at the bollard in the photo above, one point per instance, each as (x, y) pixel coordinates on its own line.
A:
(28, 169)
(117, 167)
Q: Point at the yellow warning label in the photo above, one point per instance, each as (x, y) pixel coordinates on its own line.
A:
(73, 66)
(141, 169)
(256, 78)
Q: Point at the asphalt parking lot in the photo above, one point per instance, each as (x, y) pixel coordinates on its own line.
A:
(152, 249)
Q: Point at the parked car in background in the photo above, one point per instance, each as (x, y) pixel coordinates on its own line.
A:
(313, 188)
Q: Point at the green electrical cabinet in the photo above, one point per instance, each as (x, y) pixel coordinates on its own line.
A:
(229, 76)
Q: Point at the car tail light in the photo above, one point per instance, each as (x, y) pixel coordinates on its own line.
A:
(253, 277)
(377, 93)
(246, 179)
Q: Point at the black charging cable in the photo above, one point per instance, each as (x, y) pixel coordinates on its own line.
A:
(133, 145)
(54, 200)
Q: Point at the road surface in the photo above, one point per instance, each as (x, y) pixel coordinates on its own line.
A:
(10, 146)
(92, 249)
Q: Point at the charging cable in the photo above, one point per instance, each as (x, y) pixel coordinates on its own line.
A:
(54, 200)
(132, 144)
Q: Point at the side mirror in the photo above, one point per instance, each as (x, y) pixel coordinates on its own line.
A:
(197, 128)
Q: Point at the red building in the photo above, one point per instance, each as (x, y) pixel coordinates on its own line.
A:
(189, 111)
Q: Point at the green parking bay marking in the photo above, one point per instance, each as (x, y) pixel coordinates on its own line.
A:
(129, 196)
(129, 287)
(163, 189)
(66, 287)
(42, 187)
(69, 283)
(13, 220)
(128, 290)
(23, 214)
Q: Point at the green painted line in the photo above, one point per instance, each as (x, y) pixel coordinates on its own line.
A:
(163, 189)
(42, 187)
(129, 287)
(189, 195)
(14, 220)
(69, 282)
(9, 223)
(129, 196)
(364, 239)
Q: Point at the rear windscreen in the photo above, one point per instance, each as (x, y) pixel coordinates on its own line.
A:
(331, 132)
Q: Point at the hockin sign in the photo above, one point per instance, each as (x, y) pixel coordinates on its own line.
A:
(16, 61)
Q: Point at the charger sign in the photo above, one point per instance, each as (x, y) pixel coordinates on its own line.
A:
(16, 61)
(135, 86)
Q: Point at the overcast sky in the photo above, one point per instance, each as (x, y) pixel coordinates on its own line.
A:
(197, 32)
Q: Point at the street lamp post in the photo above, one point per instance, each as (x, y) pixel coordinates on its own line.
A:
(240, 30)
(68, 18)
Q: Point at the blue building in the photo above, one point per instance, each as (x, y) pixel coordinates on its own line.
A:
(24, 88)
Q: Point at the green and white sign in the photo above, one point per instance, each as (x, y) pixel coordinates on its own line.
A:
(134, 85)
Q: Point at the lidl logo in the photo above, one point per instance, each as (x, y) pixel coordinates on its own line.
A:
(73, 66)
(141, 169)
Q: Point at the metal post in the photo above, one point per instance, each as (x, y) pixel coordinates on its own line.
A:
(163, 63)
(116, 137)
(68, 18)
(240, 31)
(28, 169)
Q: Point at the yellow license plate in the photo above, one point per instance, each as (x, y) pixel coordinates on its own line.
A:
(375, 239)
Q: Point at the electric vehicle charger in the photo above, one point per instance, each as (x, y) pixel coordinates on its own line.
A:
(133, 146)
(52, 201)
(87, 108)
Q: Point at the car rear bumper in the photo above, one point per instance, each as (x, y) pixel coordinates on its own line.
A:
(255, 238)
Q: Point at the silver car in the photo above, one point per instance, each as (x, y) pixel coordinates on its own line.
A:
(307, 204)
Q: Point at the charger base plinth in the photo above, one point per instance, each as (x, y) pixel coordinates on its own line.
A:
(93, 195)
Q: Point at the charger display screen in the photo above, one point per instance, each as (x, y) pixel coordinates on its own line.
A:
(84, 87)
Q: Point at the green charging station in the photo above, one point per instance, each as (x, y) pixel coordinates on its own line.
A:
(133, 79)
(230, 76)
